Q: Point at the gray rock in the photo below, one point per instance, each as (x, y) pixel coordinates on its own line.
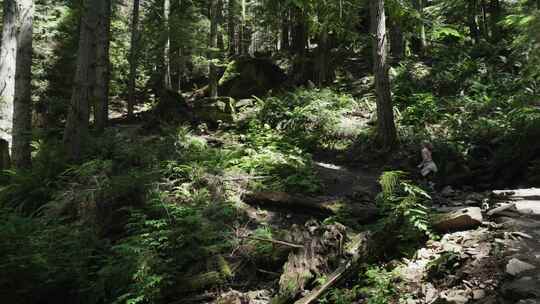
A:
(515, 267)
(529, 301)
(447, 191)
(478, 294)
(455, 296)
(462, 219)
(522, 288)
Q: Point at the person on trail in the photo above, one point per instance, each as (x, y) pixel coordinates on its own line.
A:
(427, 166)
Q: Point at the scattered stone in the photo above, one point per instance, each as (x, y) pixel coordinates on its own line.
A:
(448, 191)
(515, 267)
(463, 219)
(455, 296)
(430, 292)
(478, 294)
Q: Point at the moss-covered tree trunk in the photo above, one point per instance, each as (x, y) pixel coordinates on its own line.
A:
(386, 129)
(22, 110)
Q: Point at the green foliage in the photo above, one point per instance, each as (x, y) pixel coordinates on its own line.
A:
(380, 285)
(405, 206)
(314, 118)
(342, 296)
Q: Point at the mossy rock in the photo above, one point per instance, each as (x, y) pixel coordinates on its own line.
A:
(214, 110)
(246, 77)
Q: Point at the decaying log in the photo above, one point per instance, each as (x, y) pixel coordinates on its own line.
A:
(360, 211)
(357, 251)
(324, 250)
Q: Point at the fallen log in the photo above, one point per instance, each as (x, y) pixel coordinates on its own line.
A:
(324, 249)
(363, 212)
(358, 251)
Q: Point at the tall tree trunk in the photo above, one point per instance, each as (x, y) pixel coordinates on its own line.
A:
(167, 82)
(495, 17)
(243, 41)
(397, 41)
(386, 129)
(101, 89)
(8, 59)
(420, 40)
(322, 61)
(22, 112)
(285, 25)
(484, 28)
(213, 77)
(231, 27)
(220, 41)
(133, 57)
(76, 129)
(299, 36)
(473, 21)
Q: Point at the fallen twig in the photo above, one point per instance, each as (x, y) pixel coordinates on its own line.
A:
(275, 242)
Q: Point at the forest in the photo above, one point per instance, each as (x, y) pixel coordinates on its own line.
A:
(270, 151)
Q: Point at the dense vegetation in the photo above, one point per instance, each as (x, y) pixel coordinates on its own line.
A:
(131, 132)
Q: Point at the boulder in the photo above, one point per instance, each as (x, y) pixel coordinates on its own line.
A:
(214, 110)
(515, 267)
(246, 76)
(462, 219)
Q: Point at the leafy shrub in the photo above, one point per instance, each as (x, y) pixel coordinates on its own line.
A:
(407, 216)
(380, 285)
(309, 116)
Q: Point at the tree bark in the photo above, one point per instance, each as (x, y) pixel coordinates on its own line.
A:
(386, 129)
(220, 40)
(101, 88)
(243, 41)
(213, 77)
(322, 62)
(133, 57)
(231, 27)
(167, 82)
(22, 111)
(397, 41)
(495, 17)
(8, 58)
(473, 21)
(76, 129)
(285, 25)
(421, 41)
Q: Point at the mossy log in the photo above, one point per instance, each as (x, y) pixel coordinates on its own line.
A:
(362, 212)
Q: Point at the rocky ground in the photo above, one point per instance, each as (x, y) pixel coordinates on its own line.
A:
(494, 258)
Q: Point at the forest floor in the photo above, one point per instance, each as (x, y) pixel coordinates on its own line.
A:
(498, 261)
